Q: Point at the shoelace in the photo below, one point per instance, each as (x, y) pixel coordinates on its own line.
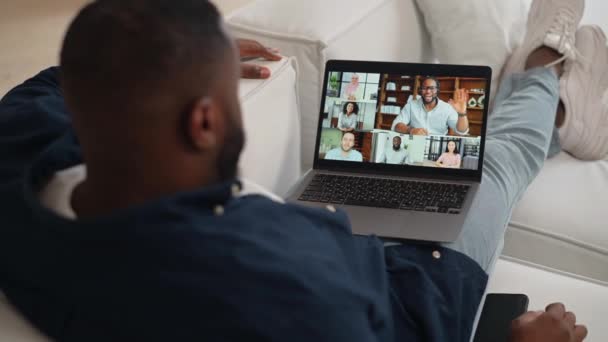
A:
(564, 27)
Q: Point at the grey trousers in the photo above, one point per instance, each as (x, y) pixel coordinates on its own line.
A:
(519, 137)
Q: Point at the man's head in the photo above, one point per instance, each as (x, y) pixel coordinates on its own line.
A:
(152, 87)
(429, 88)
(396, 143)
(348, 141)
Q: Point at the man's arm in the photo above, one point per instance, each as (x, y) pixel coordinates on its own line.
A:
(402, 121)
(32, 116)
(458, 120)
(339, 124)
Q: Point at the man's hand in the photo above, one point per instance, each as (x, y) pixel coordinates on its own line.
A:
(460, 101)
(419, 131)
(253, 49)
(402, 128)
(554, 325)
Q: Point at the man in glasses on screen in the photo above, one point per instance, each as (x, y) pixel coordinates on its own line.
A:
(428, 115)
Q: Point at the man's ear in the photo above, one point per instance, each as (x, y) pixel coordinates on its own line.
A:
(202, 124)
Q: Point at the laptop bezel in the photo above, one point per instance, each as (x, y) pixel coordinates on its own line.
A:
(403, 69)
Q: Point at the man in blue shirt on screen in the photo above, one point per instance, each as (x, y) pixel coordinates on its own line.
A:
(429, 115)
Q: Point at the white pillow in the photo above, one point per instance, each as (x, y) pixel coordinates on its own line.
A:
(475, 32)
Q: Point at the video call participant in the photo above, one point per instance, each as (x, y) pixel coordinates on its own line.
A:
(395, 154)
(450, 158)
(352, 88)
(345, 152)
(347, 121)
(430, 115)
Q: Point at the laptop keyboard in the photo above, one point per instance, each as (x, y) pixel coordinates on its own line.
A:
(386, 193)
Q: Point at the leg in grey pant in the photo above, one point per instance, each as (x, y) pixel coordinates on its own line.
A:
(518, 139)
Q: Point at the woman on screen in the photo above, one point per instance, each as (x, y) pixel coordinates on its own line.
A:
(347, 121)
(450, 158)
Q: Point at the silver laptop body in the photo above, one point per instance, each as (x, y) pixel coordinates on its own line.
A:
(364, 187)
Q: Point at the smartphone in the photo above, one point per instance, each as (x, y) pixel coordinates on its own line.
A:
(499, 310)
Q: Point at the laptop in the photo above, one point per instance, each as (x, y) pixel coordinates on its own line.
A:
(393, 152)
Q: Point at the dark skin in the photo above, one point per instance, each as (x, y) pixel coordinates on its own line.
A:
(165, 156)
(252, 49)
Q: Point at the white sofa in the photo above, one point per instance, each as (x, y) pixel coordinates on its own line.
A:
(560, 222)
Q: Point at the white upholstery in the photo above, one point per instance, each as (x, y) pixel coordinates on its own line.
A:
(545, 286)
(271, 156)
(13, 327)
(475, 32)
(317, 30)
(562, 219)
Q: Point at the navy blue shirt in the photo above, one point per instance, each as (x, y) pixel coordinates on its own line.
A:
(171, 269)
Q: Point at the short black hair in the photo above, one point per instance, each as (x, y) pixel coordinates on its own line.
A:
(355, 107)
(133, 55)
(430, 78)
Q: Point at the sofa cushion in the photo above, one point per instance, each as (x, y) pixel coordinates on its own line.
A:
(317, 30)
(562, 219)
(475, 32)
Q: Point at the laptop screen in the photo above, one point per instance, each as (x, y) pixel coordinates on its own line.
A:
(412, 119)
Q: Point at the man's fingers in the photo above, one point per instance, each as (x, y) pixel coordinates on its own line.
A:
(570, 318)
(254, 71)
(580, 332)
(251, 48)
(557, 310)
(268, 54)
(529, 316)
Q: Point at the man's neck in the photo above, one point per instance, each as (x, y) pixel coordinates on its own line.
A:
(430, 106)
(105, 191)
(346, 153)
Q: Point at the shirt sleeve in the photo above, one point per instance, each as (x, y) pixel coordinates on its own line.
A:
(353, 122)
(33, 115)
(405, 115)
(441, 157)
(358, 157)
(330, 155)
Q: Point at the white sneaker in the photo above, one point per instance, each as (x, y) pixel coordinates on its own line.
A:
(551, 23)
(584, 93)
